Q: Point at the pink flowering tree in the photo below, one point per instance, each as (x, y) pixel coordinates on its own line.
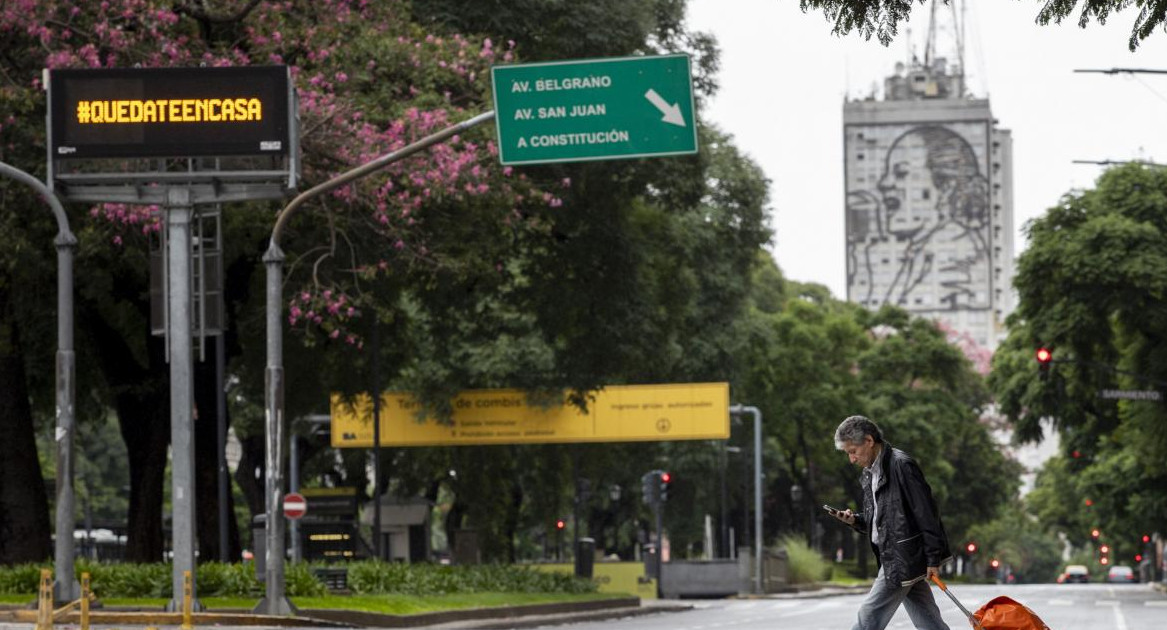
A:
(369, 81)
(544, 278)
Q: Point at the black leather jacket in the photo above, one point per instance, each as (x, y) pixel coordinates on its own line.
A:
(911, 535)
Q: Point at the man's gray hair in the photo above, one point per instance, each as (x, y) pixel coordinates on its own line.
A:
(854, 430)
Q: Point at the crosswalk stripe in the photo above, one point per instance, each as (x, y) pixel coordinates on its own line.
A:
(1158, 602)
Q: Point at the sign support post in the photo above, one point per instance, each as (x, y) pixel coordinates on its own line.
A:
(178, 222)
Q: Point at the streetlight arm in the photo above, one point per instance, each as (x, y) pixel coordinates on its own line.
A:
(371, 167)
(64, 235)
(275, 602)
(66, 587)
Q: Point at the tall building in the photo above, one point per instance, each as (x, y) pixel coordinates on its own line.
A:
(929, 179)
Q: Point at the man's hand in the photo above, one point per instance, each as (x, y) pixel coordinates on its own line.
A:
(932, 571)
(847, 516)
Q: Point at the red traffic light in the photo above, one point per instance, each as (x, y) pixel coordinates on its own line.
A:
(665, 477)
(1089, 502)
(971, 547)
(1138, 557)
(1146, 538)
(1104, 561)
(1044, 356)
(1094, 533)
(995, 563)
(560, 524)
(1105, 549)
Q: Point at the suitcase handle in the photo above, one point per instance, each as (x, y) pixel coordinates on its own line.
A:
(976, 623)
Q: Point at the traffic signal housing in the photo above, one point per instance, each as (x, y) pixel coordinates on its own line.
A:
(663, 480)
(1044, 358)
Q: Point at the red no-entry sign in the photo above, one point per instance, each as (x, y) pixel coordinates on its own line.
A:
(295, 505)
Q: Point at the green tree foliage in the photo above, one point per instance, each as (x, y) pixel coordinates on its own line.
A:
(473, 275)
(1019, 541)
(810, 361)
(882, 17)
(451, 273)
(1091, 288)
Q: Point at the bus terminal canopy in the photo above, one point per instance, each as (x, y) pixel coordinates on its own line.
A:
(619, 413)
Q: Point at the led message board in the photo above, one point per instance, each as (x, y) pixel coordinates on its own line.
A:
(169, 112)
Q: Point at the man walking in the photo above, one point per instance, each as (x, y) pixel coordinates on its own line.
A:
(900, 517)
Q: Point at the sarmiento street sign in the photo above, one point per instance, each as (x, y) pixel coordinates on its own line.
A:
(595, 109)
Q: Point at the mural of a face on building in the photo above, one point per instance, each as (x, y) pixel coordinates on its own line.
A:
(924, 225)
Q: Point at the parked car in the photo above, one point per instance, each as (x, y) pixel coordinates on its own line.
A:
(1076, 573)
(1121, 574)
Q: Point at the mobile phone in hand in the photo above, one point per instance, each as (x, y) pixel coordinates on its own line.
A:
(832, 511)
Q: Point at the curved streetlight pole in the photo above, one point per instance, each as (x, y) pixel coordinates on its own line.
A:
(65, 588)
(275, 602)
(738, 410)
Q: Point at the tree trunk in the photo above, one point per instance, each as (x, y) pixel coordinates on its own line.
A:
(24, 505)
(206, 436)
(142, 401)
(145, 425)
(250, 473)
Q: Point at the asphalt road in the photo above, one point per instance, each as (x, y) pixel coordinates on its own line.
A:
(1061, 606)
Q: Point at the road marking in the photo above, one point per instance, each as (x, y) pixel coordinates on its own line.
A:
(1061, 602)
(1106, 602)
(809, 610)
(1119, 620)
(1158, 602)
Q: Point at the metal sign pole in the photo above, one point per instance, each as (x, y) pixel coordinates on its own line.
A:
(178, 232)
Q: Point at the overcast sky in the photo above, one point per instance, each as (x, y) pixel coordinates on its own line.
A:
(784, 78)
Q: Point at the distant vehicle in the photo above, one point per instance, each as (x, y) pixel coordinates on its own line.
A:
(1076, 573)
(1121, 574)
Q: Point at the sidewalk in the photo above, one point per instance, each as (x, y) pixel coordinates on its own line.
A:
(468, 619)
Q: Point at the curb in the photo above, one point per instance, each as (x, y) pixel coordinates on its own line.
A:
(812, 592)
(526, 616)
(473, 617)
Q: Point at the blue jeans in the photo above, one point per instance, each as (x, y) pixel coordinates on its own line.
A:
(884, 598)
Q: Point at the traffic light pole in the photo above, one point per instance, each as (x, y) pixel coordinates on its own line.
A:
(660, 531)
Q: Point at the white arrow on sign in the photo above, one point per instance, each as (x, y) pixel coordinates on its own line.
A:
(672, 113)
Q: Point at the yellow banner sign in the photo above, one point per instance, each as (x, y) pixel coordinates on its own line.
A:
(619, 413)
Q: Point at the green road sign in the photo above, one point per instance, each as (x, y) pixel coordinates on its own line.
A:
(568, 111)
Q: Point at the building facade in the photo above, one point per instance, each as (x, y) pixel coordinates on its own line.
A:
(929, 203)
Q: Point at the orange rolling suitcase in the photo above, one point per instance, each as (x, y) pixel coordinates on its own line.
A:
(1000, 613)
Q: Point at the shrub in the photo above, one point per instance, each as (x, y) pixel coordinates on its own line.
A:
(804, 564)
(371, 577)
(20, 579)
